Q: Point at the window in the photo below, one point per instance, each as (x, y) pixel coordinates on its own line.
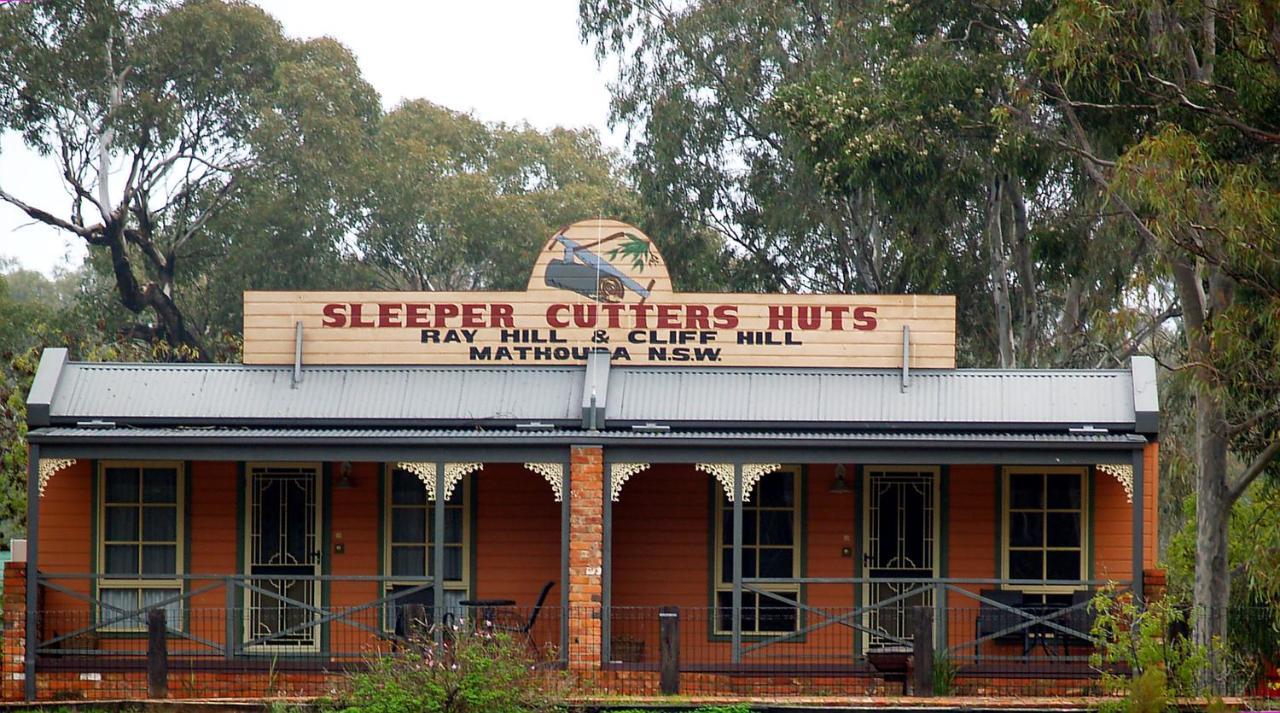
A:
(140, 532)
(770, 549)
(1045, 516)
(410, 527)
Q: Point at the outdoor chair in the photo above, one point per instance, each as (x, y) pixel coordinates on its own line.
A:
(992, 619)
(526, 628)
(1080, 620)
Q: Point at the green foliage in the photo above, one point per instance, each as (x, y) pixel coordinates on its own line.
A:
(471, 672)
(457, 203)
(944, 674)
(874, 147)
(201, 146)
(1145, 654)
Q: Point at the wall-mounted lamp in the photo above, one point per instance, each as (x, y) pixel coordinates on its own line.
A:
(840, 485)
(345, 481)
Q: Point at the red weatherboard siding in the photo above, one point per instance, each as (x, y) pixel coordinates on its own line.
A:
(66, 539)
(517, 535)
(660, 543)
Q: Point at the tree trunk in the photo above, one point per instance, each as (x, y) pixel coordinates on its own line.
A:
(1029, 330)
(1213, 496)
(1213, 514)
(1000, 274)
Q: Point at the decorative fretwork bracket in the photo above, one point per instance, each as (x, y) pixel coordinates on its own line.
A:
(619, 473)
(751, 474)
(1122, 473)
(453, 474)
(553, 473)
(50, 466)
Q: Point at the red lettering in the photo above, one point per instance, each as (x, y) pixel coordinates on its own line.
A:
(472, 315)
(864, 318)
(697, 317)
(335, 315)
(779, 316)
(584, 315)
(357, 319)
(641, 312)
(500, 315)
(809, 317)
(389, 315)
(612, 311)
(415, 315)
(443, 313)
(726, 316)
(669, 316)
(553, 319)
(837, 317)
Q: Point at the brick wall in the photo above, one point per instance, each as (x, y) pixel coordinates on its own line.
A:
(15, 630)
(586, 555)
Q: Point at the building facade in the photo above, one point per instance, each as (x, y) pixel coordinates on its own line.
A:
(792, 506)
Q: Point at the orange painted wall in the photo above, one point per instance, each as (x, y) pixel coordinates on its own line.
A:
(517, 542)
(660, 543)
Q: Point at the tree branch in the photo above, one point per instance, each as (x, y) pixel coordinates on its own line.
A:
(46, 217)
(1256, 468)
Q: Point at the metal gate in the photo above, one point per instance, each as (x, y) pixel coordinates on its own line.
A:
(284, 557)
(900, 528)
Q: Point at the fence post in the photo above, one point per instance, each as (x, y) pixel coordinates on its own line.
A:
(922, 649)
(157, 654)
(669, 649)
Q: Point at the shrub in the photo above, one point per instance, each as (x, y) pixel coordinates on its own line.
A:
(469, 672)
(1142, 657)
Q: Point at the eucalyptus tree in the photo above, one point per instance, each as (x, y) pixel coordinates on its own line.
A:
(457, 203)
(1189, 94)
(858, 147)
(184, 133)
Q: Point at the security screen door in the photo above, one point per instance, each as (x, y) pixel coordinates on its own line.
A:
(283, 556)
(900, 545)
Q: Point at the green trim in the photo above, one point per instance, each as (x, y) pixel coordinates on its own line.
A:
(242, 485)
(187, 481)
(470, 491)
(1089, 537)
(380, 587)
(859, 566)
(713, 551)
(95, 538)
(326, 546)
(802, 617)
(1000, 515)
(944, 547)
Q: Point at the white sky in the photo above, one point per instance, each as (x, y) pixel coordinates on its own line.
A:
(503, 60)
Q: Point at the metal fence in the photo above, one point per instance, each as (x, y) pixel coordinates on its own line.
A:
(189, 652)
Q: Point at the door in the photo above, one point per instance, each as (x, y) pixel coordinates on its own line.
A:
(283, 556)
(900, 525)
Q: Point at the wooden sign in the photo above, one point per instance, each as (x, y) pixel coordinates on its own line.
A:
(599, 285)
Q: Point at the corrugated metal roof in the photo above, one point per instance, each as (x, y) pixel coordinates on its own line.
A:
(208, 392)
(502, 396)
(668, 395)
(475, 435)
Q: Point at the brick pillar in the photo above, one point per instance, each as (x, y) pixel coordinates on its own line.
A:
(15, 631)
(1153, 584)
(586, 555)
